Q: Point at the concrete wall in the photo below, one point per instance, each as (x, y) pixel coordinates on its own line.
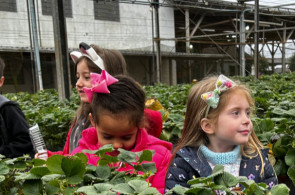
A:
(133, 32)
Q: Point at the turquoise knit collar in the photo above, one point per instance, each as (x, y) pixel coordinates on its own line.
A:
(221, 158)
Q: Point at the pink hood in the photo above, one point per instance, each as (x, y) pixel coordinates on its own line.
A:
(144, 141)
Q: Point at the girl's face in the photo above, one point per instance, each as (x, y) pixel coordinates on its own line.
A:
(83, 79)
(117, 131)
(233, 125)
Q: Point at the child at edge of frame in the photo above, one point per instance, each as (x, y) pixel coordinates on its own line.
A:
(218, 131)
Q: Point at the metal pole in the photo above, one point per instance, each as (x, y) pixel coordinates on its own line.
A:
(187, 43)
(61, 50)
(158, 43)
(31, 50)
(242, 43)
(36, 45)
(284, 50)
(153, 43)
(256, 39)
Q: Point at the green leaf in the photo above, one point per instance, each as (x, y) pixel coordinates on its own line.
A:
(126, 156)
(103, 172)
(101, 187)
(32, 187)
(50, 177)
(123, 188)
(82, 157)
(217, 170)
(280, 189)
(149, 167)
(74, 169)
(2, 178)
(290, 157)
(150, 190)
(178, 190)
(200, 180)
(291, 173)
(3, 169)
(280, 167)
(118, 178)
(147, 155)
(226, 179)
(54, 164)
(40, 171)
(138, 185)
(89, 190)
(52, 187)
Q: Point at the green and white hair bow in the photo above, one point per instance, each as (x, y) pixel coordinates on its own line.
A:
(212, 97)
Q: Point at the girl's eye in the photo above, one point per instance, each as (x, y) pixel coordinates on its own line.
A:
(126, 138)
(107, 137)
(235, 113)
(87, 77)
(248, 113)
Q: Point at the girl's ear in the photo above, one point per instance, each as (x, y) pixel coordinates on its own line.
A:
(91, 120)
(207, 126)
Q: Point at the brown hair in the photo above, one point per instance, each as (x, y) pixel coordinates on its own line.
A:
(193, 135)
(126, 98)
(114, 63)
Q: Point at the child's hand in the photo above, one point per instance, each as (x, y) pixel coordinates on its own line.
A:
(43, 156)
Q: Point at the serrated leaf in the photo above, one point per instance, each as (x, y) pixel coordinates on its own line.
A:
(2, 178)
(150, 191)
(89, 190)
(3, 169)
(291, 173)
(103, 172)
(40, 171)
(149, 167)
(103, 187)
(54, 164)
(52, 187)
(74, 169)
(138, 185)
(32, 187)
(82, 157)
(147, 155)
(123, 188)
(226, 179)
(290, 157)
(199, 180)
(280, 189)
(126, 156)
(178, 190)
(50, 177)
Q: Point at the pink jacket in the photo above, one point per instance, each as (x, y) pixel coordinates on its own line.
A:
(155, 128)
(144, 141)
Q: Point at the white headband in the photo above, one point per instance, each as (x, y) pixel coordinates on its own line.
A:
(88, 52)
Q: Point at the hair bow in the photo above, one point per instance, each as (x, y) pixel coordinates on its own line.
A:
(212, 98)
(88, 52)
(100, 83)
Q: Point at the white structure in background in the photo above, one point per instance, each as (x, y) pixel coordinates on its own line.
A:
(131, 31)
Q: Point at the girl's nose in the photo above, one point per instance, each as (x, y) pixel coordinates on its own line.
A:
(78, 83)
(246, 119)
(117, 145)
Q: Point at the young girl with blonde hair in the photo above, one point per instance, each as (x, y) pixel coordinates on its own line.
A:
(218, 130)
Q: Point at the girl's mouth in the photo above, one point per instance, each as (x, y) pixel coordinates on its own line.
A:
(244, 132)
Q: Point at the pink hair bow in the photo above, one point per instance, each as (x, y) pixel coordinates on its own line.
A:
(100, 83)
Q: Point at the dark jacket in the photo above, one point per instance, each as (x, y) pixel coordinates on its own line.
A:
(190, 163)
(14, 133)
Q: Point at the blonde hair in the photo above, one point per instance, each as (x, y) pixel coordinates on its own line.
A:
(193, 135)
